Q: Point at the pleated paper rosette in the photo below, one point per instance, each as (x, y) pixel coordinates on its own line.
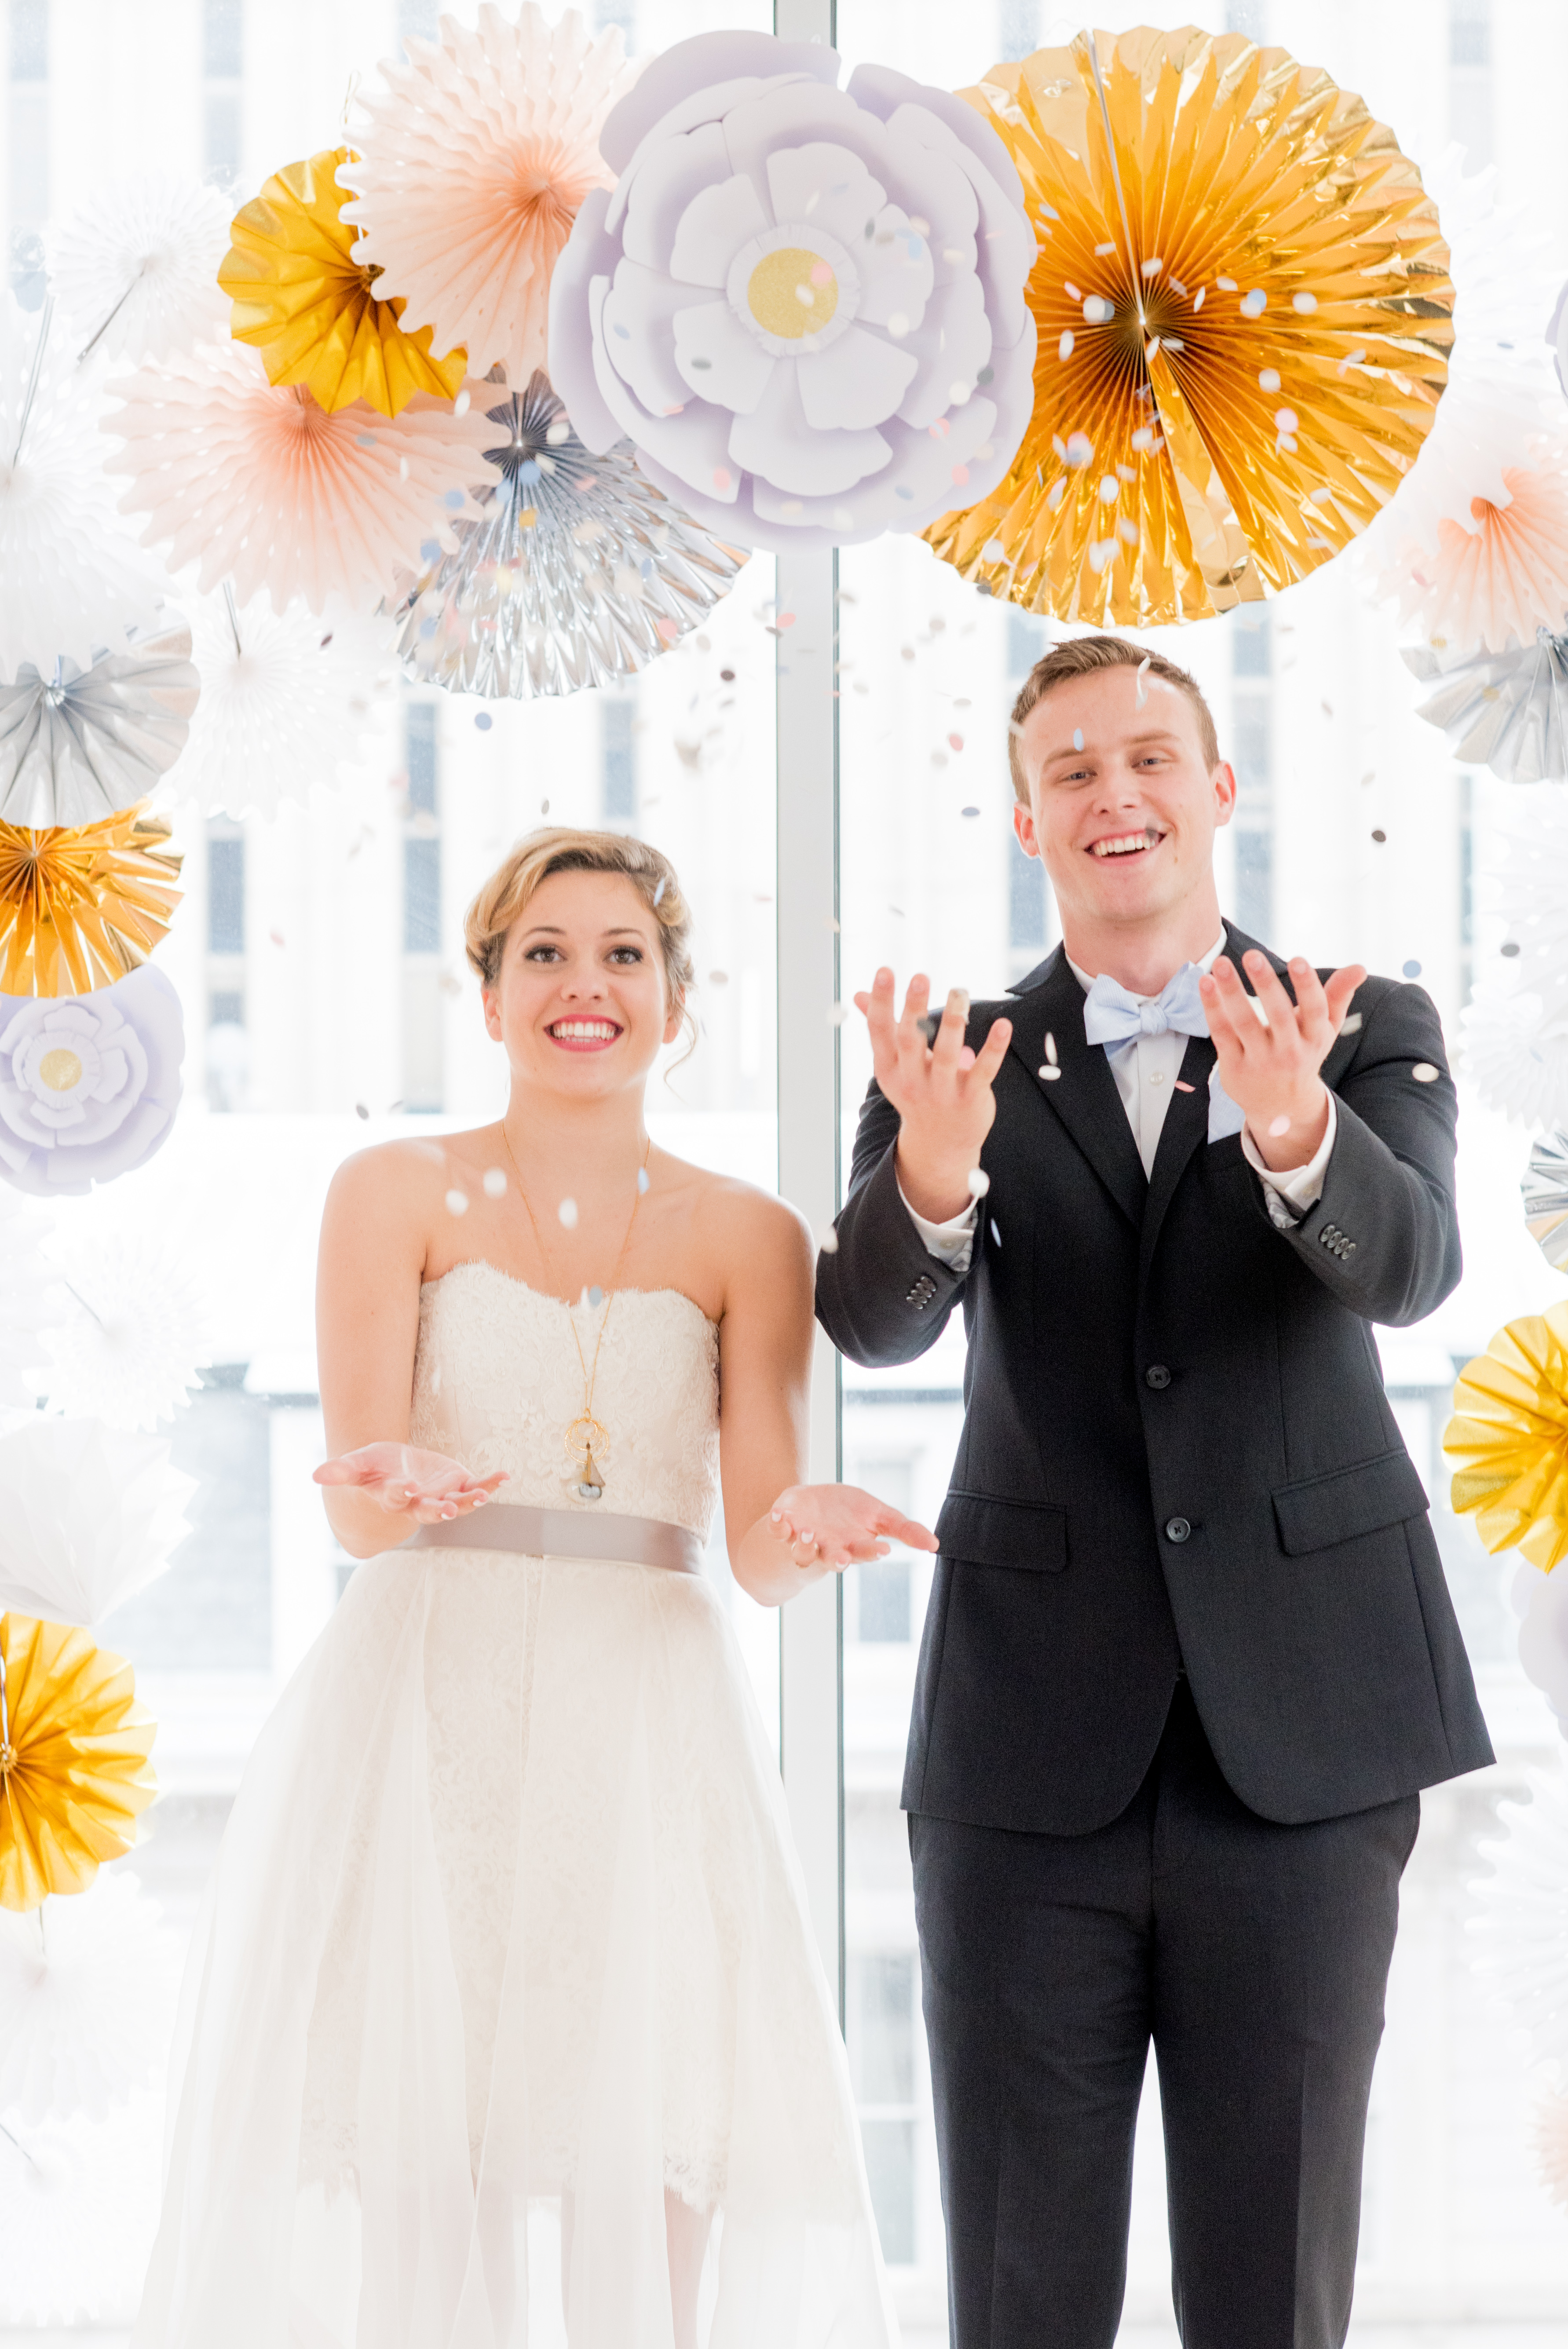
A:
(79, 2212)
(129, 1334)
(35, 1301)
(80, 1775)
(90, 1516)
(88, 1986)
(288, 699)
(579, 571)
(468, 169)
(78, 742)
(72, 579)
(82, 905)
(1521, 1929)
(263, 487)
(1507, 711)
(316, 314)
(803, 305)
(135, 268)
(1243, 306)
(1507, 1439)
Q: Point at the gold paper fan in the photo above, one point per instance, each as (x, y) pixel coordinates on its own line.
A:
(306, 305)
(81, 905)
(1244, 314)
(1509, 1439)
(74, 1769)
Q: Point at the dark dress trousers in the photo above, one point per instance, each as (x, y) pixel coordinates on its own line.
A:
(1190, 1655)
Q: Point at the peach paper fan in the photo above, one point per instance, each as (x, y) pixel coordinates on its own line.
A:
(260, 484)
(316, 315)
(469, 171)
(1495, 577)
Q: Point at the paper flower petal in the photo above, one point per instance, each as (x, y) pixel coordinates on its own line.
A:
(1222, 403)
(1507, 711)
(469, 170)
(79, 1776)
(577, 571)
(89, 1083)
(288, 700)
(82, 905)
(77, 743)
(265, 487)
(131, 1340)
(733, 183)
(71, 578)
(91, 1514)
(135, 268)
(311, 309)
(1509, 1439)
(88, 1995)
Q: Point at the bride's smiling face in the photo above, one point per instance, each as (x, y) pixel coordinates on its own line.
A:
(581, 1000)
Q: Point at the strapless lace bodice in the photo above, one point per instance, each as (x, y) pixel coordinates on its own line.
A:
(498, 1382)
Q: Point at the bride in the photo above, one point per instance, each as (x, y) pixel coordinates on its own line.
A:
(504, 2023)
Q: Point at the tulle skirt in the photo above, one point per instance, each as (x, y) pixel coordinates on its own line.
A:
(506, 1954)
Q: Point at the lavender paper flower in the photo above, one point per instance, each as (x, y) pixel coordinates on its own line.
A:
(89, 1083)
(805, 304)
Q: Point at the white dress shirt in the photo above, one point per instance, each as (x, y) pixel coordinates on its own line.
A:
(1146, 1069)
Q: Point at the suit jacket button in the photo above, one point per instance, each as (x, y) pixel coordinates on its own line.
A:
(1177, 1529)
(1156, 1375)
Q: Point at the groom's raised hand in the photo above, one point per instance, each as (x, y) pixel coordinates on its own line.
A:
(942, 1092)
(1269, 1066)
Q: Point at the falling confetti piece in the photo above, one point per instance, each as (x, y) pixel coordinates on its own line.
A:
(1065, 346)
(658, 892)
(1411, 970)
(727, 677)
(979, 1182)
(969, 811)
(568, 1212)
(543, 807)
(1305, 303)
(1510, 947)
(837, 1015)
(827, 1242)
(360, 1110)
(1182, 1088)
(1279, 1126)
(642, 1178)
(1077, 738)
(1268, 379)
(955, 741)
(994, 551)
(1142, 694)
(1424, 1074)
(1380, 837)
(717, 978)
(494, 1183)
(995, 1234)
(1351, 1024)
(595, 1295)
(1049, 1074)
(1050, 1048)
(457, 1203)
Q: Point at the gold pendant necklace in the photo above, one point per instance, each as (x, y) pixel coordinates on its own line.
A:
(586, 1436)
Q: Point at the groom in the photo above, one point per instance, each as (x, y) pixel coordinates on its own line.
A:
(1189, 1652)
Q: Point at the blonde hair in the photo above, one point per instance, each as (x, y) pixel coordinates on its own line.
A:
(561, 848)
(1081, 657)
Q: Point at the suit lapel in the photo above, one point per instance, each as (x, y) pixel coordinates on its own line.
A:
(1085, 1096)
(1186, 1128)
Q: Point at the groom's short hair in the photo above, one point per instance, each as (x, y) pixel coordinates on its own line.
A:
(1081, 657)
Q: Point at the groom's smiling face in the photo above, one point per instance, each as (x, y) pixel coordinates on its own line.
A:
(1122, 807)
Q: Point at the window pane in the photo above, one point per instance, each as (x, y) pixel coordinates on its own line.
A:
(226, 895)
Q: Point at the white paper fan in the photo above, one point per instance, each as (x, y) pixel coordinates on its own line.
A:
(88, 1986)
(1517, 1055)
(78, 2211)
(135, 268)
(31, 1299)
(89, 1515)
(133, 1339)
(288, 699)
(1506, 710)
(1522, 1931)
(1504, 275)
(1525, 878)
(71, 577)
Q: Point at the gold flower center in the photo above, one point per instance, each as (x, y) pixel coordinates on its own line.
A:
(60, 1070)
(792, 293)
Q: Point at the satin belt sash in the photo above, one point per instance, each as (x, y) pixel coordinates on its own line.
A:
(566, 1533)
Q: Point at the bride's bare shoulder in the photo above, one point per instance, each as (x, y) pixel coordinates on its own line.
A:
(412, 1167)
(744, 1231)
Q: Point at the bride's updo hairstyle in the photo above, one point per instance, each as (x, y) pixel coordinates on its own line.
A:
(560, 848)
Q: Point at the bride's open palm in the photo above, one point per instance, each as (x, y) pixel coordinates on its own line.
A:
(405, 1481)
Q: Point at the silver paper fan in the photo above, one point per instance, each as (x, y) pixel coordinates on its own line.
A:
(1505, 711)
(1545, 1189)
(579, 571)
(79, 743)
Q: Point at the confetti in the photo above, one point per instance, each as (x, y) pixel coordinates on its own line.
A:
(1285, 421)
(1268, 379)
(1142, 694)
(1079, 449)
(727, 677)
(1351, 1024)
(837, 1015)
(360, 1110)
(1510, 948)
(1424, 1074)
(483, 720)
(1049, 1074)
(595, 1295)
(1077, 738)
(1279, 1126)
(1305, 303)
(1380, 837)
(955, 741)
(658, 892)
(827, 1242)
(457, 1203)
(1065, 346)
(1050, 1048)
(543, 807)
(1182, 1088)
(642, 1182)
(1411, 970)
(995, 1234)
(1226, 285)
(1197, 297)
(568, 1212)
(494, 1183)
(717, 978)
(1097, 311)
(979, 1182)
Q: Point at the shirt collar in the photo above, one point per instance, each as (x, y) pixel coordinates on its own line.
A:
(1205, 963)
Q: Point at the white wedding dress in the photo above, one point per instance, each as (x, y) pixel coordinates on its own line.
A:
(506, 1938)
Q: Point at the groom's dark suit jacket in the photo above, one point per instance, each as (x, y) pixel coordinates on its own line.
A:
(1176, 1452)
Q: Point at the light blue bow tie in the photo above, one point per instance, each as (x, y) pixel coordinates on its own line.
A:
(1113, 1018)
